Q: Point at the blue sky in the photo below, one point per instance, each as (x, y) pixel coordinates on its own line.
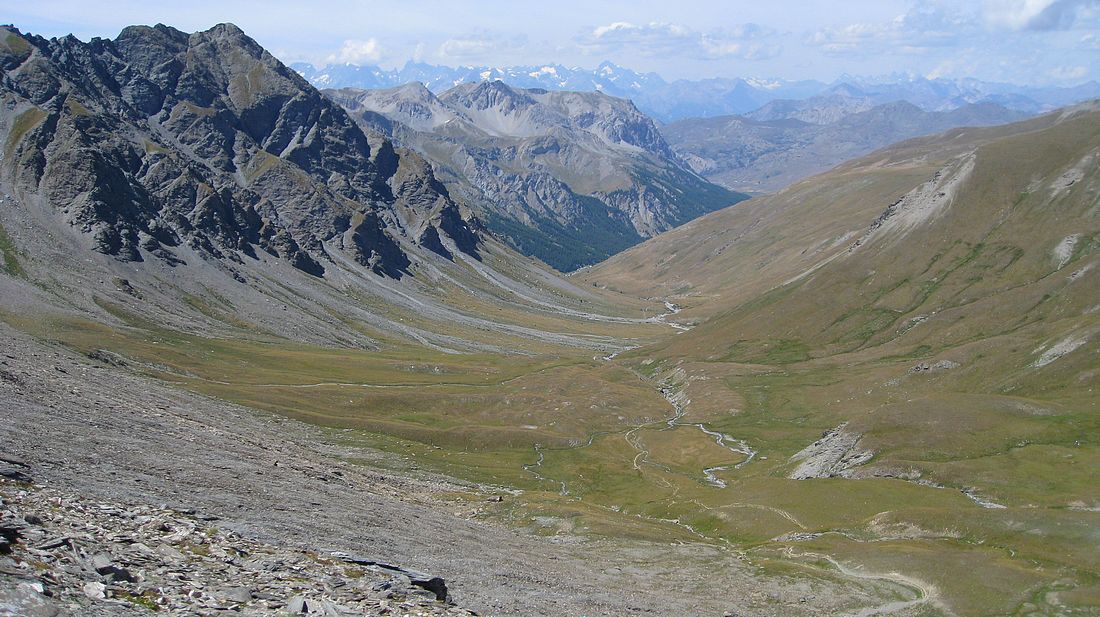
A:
(1039, 42)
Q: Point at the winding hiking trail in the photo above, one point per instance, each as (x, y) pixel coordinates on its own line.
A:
(925, 593)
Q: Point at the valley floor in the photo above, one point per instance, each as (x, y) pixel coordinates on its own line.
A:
(89, 431)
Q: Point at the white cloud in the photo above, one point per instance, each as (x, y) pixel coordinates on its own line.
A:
(1012, 14)
(1041, 15)
(480, 46)
(920, 29)
(953, 67)
(1068, 73)
(746, 41)
(619, 27)
(358, 52)
(463, 48)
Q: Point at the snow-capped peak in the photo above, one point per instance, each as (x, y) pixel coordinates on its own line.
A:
(763, 84)
(546, 70)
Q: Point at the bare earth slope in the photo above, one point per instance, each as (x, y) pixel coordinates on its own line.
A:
(89, 428)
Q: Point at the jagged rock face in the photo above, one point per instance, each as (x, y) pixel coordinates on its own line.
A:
(160, 138)
(568, 177)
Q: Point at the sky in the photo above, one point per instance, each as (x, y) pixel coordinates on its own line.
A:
(1032, 42)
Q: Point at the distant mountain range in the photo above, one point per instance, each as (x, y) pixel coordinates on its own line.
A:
(786, 141)
(568, 177)
(668, 101)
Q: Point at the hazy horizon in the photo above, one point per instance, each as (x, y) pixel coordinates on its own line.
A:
(1022, 42)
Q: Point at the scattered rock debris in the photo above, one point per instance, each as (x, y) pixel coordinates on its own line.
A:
(65, 555)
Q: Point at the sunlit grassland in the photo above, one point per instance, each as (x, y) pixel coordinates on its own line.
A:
(478, 417)
(9, 259)
(464, 400)
(1034, 455)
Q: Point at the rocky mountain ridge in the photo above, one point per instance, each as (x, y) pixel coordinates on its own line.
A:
(160, 138)
(568, 177)
(202, 182)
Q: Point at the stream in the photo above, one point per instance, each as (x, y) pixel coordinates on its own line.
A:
(737, 446)
(724, 441)
(532, 467)
(672, 309)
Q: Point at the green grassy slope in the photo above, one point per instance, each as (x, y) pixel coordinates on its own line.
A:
(736, 254)
(955, 332)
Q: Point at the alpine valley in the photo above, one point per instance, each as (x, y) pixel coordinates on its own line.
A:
(494, 348)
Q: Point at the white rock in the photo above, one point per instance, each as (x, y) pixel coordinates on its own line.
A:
(95, 591)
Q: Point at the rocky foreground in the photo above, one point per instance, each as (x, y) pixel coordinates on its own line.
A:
(63, 554)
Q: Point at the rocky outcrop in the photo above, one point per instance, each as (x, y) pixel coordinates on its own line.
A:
(934, 367)
(835, 454)
(568, 177)
(161, 138)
